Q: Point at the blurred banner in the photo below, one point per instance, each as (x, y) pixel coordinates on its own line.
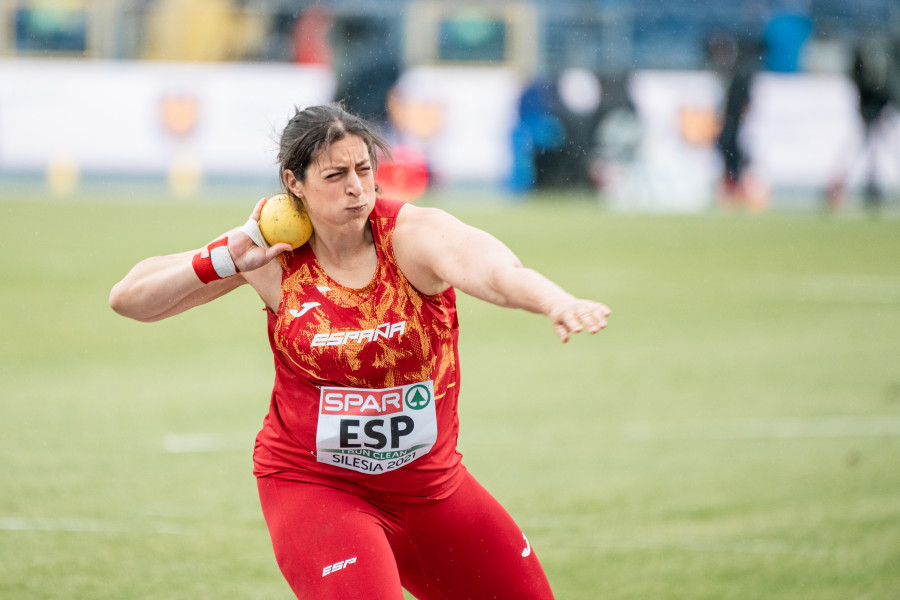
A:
(460, 118)
(803, 131)
(148, 117)
(800, 133)
(156, 118)
(675, 166)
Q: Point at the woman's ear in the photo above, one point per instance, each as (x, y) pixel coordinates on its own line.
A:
(292, 184)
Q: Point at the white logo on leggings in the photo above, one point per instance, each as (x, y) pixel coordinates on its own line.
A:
(527, 551)
(341, 564)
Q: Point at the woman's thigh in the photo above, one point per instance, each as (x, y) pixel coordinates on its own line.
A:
(467, 547)
(328, 544)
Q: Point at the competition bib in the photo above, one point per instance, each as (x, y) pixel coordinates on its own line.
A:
(375, 431)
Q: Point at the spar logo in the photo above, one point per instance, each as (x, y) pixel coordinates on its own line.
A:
(418, 397)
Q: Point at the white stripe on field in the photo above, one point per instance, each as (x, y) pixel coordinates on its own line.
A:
(76, 525)
(737, 547)
(560, 526)
(765, 428)
(207, 442)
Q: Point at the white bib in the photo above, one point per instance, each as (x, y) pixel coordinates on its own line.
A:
(375, 431)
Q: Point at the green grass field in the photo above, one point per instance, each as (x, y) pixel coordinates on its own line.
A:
(734, 433)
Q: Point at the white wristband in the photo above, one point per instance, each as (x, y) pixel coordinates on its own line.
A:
(222, 262)
(251, 228)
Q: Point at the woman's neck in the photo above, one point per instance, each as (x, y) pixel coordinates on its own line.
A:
(350, 262)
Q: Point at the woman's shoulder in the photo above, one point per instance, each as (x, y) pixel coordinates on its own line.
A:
(417, 244)
(413, 216)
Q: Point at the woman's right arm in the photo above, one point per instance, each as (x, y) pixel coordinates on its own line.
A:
(164, 286)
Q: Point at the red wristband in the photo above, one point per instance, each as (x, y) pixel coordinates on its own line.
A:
(217, 264)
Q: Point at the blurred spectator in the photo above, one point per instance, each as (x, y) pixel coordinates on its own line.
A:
(413, 124)
(368, 57)
(310, 36)
(581, 96)
(785, 35)
(300, 35)
(738, 186)
(554, 142)
(618, 136)
(875, 71)
(721, 54)
(279, 43)
(537, 135)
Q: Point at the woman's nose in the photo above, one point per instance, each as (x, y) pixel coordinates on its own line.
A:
(354, 185)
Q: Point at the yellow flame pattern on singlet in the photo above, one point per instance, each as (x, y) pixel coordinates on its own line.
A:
(425, 349)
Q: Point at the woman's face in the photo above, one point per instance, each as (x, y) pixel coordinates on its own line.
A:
(339, 189)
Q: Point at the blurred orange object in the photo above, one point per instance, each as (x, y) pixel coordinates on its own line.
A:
(405, 177)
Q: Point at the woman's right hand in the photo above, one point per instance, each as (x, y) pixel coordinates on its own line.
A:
(247, 256)
(162, 286)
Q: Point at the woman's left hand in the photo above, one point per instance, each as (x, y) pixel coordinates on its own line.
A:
(576, 315)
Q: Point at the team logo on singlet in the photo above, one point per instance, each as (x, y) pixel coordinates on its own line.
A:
(359, 336)
(304, 308)
(375, 430)
(418, 396)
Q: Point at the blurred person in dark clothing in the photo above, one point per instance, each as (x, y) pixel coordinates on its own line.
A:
(738, 187)
(874, 72)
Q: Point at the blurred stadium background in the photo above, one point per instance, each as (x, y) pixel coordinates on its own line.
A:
(622, 99)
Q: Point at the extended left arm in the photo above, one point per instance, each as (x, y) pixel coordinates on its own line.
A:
(437, 250)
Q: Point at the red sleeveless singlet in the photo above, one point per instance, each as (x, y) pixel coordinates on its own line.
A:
(366, 380)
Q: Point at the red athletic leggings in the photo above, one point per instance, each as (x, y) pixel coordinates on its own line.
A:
(333, 545)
